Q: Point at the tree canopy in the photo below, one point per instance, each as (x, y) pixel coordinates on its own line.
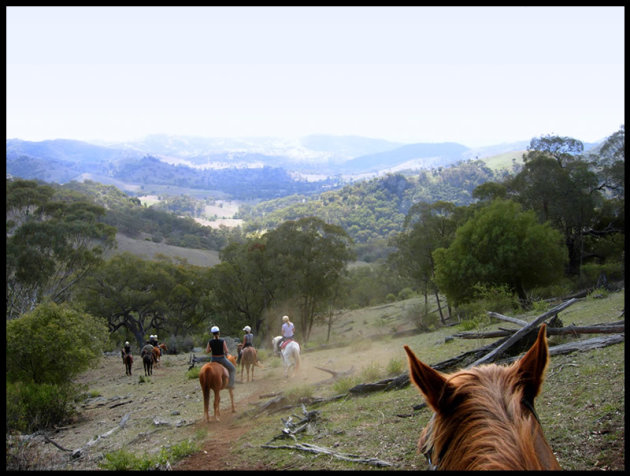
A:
(500, 244)
(53, 240)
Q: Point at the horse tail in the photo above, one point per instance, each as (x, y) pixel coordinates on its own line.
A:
(297, 358)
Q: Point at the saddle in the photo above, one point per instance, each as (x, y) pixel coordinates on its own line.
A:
(284, 344)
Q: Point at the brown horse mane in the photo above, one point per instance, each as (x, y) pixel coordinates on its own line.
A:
(484, 416)
(492, 431)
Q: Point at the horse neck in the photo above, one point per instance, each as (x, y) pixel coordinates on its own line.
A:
(489, 429)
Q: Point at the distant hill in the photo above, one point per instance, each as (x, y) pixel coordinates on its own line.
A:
(433, 155)
(242, 169)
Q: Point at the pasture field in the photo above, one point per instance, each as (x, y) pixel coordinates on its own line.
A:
(148, 250)
(581, 406)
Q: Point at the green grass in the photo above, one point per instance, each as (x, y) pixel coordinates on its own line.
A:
(123, 460)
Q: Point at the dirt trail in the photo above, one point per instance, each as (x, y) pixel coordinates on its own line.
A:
(167, 409)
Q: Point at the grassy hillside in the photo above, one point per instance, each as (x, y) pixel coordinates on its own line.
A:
(148, 250)
(504, 161)
(581, 405)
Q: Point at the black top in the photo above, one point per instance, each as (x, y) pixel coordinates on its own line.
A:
(216, 345)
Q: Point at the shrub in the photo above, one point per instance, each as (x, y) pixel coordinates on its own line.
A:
(193, 373)
(344, 384)
(591, 274)
(406, 293)
(123, 460)
(295, 394)
(31, 406)
(371, 372)
(421, 317)
(395, 367)
(179, 344)
(53, 344)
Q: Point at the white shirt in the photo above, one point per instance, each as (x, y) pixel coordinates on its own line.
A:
(287, 329)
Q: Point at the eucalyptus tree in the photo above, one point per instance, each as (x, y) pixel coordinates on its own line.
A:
(427, 226)
(562, 187)
(54, 238)
(244, 285)
(130, 293)
(310, 257)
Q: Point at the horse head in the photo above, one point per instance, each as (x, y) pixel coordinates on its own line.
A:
(484, 417)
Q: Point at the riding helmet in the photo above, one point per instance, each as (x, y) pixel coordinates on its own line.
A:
(214, 329)
(247, 329)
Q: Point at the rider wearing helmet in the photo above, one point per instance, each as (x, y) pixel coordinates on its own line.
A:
(248, 341)
(220, 351)
(126, 350)
(288, 330)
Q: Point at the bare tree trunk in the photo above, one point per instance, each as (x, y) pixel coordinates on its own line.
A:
(330, 321)
(437, 300)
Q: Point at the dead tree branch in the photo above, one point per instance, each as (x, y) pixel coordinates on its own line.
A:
(321, 450)
(492, 355)
(501, 317)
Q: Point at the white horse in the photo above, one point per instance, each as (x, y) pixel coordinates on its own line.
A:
(290, 355)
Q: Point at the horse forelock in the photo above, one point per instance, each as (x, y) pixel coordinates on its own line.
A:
(485, 425)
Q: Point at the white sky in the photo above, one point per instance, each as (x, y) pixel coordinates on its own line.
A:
(473, 75)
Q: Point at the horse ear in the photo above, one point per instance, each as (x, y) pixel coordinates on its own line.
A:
(530, 369)
(430, 382)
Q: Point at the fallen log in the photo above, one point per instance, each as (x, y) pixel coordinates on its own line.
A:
(492, 355)
(79, 451)
(580, 345)
(612, 328)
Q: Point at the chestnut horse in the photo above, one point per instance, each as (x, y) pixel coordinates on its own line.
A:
(163, 348)
(214, 376)
(156, 355)
(484, 416)
(249, 359)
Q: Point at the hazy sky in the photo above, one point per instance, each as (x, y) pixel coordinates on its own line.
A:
(473, 75)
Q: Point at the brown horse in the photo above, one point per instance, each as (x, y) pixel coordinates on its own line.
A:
(147, 359)
(484, 416)
(128, 362)
(249, 359)
(163, 348)
(214, 376)
(156, 356)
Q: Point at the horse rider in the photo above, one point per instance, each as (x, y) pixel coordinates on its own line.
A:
(126, 350)
(153, 340)
(220, 351)
(288, 330)
(248, 341)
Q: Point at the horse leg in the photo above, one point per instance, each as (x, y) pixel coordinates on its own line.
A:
(217, 401)
(232, 400)
(205, 389)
